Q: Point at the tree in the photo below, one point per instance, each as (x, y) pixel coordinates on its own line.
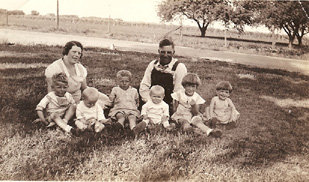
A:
(203, 12)
(286, 15)
(34, 12)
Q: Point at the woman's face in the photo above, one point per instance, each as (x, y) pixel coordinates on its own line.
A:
(74, 55)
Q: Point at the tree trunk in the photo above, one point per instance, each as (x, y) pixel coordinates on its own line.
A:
(299, 38)
(203, 31)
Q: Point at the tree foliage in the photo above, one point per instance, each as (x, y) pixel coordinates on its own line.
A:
(203, 12)
(291, 16)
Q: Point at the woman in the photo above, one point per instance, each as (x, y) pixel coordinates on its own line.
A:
(70, 65)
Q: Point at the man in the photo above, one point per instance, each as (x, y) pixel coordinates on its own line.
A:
(166, 72)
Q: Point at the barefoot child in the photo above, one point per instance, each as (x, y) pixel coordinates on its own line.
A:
(155, 111)
(58, 104)
(222, 109)
(186, 106)
(125, 101)
(89, 114)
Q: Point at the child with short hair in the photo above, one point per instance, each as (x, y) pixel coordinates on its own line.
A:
(155, 111)
(89, 114)
(221, 109)
(187, 104)
(58, 104)
(125, 101)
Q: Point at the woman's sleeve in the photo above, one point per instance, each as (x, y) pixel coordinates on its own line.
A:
(52, 69)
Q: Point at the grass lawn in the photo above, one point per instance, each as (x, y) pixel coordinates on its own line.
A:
(270, 142)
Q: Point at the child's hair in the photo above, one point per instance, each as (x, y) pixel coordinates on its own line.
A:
(224, 85)
(166, 42)
(157, 89)
(191, 79)
(60, 78)
(68, 46)
(123, 73)
(91, 93)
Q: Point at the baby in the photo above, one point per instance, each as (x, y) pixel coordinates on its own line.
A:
(58, 104)
(222, 109)
(155, 111)
(89, 114)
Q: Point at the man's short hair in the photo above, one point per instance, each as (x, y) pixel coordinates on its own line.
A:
(166, 42)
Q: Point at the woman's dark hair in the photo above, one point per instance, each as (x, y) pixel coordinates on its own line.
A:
(68, 46)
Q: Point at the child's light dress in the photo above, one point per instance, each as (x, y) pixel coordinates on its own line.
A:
(222, 111)
(124, 101)
(184, 107)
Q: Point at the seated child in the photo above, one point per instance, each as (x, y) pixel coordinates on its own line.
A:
(89, 113)
(155, 111)
(221, 107)
(125, 101)
(58, 104)
(187, 104)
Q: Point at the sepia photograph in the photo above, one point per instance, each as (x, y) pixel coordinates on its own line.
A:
(154, 90)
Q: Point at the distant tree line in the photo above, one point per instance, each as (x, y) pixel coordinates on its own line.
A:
(289, 15)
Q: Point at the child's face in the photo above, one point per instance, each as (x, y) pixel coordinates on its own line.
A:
(223, 94)
(89, 103)
(124, 82)
(60, 88)
(156, 97)
(190, 89)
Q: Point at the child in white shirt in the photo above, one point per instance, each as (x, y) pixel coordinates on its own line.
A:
(89, 113)
(58, 104)
(187, 104)
(155, 111)
(125, 101)
(221, 109)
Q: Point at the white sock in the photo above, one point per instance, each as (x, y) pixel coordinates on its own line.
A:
(208, 131)
(68, 128)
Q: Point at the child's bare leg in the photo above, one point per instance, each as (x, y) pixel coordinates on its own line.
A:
(207, 113)
(98, 127)
(120, 118)
(80, 125)
(132, 121)
(70, 112)
(198, 122)
(62, 124)
(186, 127)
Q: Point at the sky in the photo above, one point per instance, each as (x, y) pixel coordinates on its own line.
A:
(127, 10)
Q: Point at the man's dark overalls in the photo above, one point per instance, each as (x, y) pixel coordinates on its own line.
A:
(166, 81)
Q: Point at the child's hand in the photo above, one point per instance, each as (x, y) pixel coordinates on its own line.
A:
(192, 102)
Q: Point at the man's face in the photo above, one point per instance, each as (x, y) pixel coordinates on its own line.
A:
(166, 53)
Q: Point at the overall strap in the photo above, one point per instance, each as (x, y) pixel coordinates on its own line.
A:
(175, 65)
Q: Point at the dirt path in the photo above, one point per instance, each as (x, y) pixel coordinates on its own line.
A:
(26, 37)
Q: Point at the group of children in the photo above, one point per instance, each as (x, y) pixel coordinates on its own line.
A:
(58, 107)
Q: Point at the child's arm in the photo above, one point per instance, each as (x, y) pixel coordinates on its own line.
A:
(42, 117)
(211, 108)
(230, 103)
(165, 116)
(175, 105)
